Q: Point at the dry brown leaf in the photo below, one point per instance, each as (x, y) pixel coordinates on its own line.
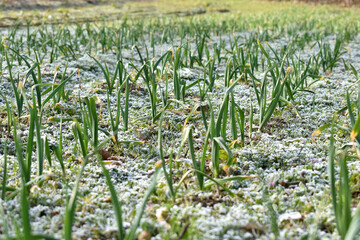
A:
(251, 226)
(105, 154)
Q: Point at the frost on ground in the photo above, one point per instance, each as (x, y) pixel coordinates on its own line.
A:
(283, 158)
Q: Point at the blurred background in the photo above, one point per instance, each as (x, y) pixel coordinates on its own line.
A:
(77, 3)
(12, 4)
(77, 11)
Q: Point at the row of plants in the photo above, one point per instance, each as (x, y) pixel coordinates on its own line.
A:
(223, 66)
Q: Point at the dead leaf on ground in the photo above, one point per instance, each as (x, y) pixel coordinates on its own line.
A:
(251, 226)
(105, 154)
(144, 235)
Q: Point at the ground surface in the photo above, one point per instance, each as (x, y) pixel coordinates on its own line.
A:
(287, 168)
